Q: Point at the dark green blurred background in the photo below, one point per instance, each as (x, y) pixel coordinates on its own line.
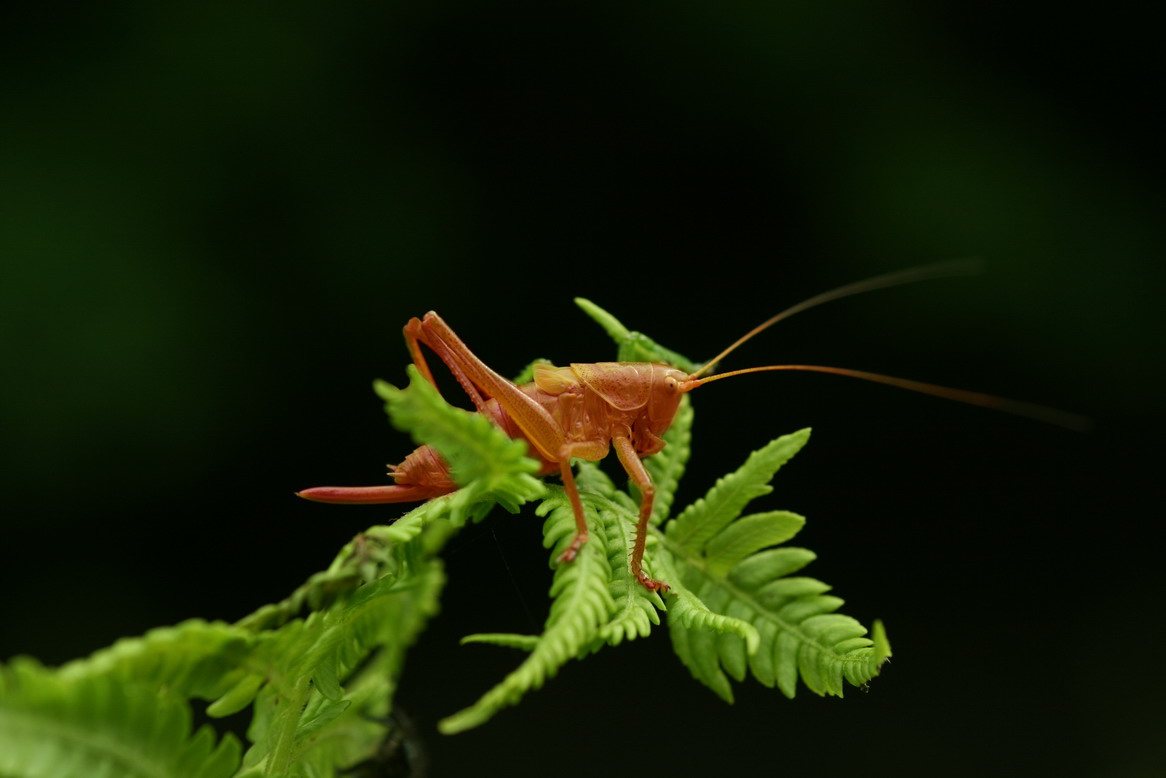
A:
(217, 217)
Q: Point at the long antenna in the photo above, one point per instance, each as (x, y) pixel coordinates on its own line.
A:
(1043, 413)
(956, 267)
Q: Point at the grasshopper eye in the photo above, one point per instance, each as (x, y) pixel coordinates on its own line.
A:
(671, 383)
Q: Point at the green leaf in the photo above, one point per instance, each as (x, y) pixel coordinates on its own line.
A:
(695, 625)
(699, 522)
(636, 609)
(506, 640)
(723, 573)
(96, 724)
(239, 697)
(330, 672)
(748, 535)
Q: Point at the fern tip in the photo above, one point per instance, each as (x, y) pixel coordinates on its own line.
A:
(384, 389)
(506, 640)
(882, 645)
(609, 323)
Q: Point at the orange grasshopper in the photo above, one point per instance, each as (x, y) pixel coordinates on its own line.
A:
(584, 410)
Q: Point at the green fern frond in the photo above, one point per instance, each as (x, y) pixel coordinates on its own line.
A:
(582, 605)
(699, 522)
(636, 609)
(724, 575)
(312, 709)
(504, 639)
(192, 659)
(98, 725)
(378, 551)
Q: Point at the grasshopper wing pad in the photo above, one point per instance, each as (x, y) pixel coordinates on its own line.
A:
(555, 380)
(625, 386)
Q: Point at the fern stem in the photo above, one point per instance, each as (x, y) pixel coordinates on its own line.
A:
(282, 751)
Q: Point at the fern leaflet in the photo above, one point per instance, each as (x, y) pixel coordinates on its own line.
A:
(721, 559)
(96, 724)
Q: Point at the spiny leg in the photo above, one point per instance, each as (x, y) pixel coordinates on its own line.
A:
(572, 491)
(635, 469)
(592, 451)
